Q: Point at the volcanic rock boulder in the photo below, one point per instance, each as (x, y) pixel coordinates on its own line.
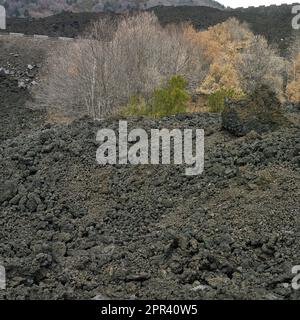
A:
(260, 112)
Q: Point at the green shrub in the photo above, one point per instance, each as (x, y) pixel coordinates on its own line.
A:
(216, 100)
(171, 99)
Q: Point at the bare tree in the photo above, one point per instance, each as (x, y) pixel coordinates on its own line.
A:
(294, 48)
(293, 81)
(294, 52)
(259, 64)
(130, 58)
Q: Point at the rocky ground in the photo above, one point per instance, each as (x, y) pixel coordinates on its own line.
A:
(72, 229)
(20, 62)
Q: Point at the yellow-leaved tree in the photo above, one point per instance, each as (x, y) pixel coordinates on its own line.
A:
(221, 44)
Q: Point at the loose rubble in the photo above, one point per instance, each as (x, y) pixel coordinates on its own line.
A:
(71, 229)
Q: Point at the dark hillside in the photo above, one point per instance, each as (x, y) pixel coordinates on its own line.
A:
(203, 17)
(273, 22)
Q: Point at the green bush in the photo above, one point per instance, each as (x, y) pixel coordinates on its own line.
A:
(171, 99)
(216, 100)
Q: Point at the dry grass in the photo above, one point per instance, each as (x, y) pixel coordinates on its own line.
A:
(198, 104)
(58, 117)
